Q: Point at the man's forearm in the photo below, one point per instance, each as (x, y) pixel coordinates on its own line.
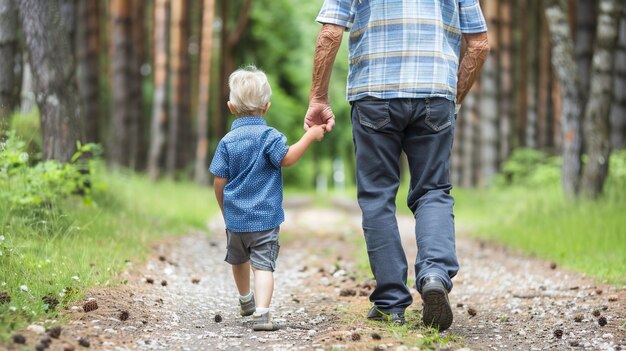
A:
(328, 43)
(473, 60)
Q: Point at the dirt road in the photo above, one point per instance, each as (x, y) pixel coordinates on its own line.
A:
(183, 298)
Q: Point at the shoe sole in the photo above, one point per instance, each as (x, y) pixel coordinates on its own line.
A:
(437, 310)
(263, 327)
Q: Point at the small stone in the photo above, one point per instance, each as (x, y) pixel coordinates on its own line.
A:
(37, 329)
(602, 321)
(578, 318)
(558, 333)
(124, 315)
(41, 347)
(574, 343)
(612, 298)
(19, 339)
(217, 318)
(356, 336)
(68, 347)
(84, 342)
(163, 282)
(376, 336)
(54, 332)
(471, 311)
(296, 300)
(195, 280)
(162, 258)
(599, 291)
(149, 280)
(459, 305)
(552, 265)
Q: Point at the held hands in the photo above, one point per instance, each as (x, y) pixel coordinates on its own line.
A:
(317, 132)
(319, 113)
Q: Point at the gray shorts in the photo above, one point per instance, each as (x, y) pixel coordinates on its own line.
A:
(260, 248)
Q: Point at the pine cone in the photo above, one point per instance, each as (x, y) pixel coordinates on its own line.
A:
(90, 306)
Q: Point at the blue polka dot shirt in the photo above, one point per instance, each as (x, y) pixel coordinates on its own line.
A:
(249, 156)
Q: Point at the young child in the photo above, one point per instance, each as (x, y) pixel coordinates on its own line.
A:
(248, 187)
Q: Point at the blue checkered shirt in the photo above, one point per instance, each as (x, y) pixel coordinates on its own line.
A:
(249, 156)
(404, 48)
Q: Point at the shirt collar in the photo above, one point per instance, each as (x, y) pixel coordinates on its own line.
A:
(248, 121)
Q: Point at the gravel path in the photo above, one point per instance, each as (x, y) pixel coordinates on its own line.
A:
(183, 298)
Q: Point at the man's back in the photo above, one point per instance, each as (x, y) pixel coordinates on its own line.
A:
(404, 48)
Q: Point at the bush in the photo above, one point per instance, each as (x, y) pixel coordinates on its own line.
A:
(26, 183)
(530, 167)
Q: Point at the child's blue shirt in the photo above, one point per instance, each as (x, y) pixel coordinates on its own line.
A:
(249, 156)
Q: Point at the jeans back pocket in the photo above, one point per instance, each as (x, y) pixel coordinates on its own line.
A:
(373, 113)
(439, 112)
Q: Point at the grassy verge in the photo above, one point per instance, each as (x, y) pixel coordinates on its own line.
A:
(52, 255)
(585, 236)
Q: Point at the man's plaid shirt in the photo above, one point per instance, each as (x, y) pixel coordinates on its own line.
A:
(404, 48)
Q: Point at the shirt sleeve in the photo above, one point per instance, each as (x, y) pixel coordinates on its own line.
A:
(219, 165)
(276, 147)
(471, 17)
(337, 12)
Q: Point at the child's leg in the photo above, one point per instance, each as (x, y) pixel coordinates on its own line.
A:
(241, 273)
(263, 287)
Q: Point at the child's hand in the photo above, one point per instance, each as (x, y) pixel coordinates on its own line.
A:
(317, 132)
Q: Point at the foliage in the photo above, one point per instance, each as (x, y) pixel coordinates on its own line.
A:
(73, 246)
(587, 236)
(27, 184)
(529, 167)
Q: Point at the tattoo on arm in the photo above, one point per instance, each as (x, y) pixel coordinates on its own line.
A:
(473, 60)
(328, 42)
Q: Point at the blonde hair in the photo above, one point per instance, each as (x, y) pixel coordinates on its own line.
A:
(249, 90)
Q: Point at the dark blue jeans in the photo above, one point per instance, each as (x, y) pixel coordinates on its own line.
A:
(424, 129)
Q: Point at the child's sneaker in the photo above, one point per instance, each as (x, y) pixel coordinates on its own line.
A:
(247, 307)
(262, 321)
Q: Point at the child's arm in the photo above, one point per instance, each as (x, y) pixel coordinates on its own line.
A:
(297, 150)
(218, 185)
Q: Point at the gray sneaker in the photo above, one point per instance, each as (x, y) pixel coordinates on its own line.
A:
(262, 322)
(437, 312)
(247, 307)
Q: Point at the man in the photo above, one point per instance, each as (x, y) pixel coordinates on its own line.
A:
(405, 85)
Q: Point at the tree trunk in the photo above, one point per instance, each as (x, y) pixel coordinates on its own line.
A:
(565, 66)
(522, 75)
(530, 134)
(138, 137)
(88, 45)
(488, 103)
(9, 59)
(230, 39)
(53, 72)
(470, 122)
(159, 103)
(597, 114)
(618, 108)
(505, 42)
(543, 95)
(201, 172)
(68, 16)
(121, 147)
(180, 125)
(586, 22)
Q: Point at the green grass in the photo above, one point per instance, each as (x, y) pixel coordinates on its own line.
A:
(62, 250)
(586, 236)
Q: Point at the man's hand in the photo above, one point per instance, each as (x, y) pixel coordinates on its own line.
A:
(319, 113)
